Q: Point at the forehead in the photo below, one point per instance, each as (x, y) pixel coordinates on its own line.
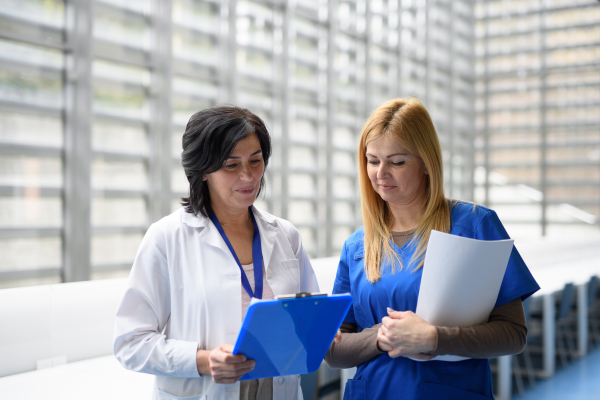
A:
(249, 143)
(385, 145)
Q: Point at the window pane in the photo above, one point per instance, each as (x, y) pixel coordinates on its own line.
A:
(179, 182)
(50, 12)
(30, 210)
(114, 25)
(119, 138)
(120, 100)
(20, 254)
(119, 212)
(343, 188)
(31, 85)
(343, 213)
(301, 185)
(115, 249)
(21, 128)
(30, 54)
(31, 172)
(119, 175)
(302, 212)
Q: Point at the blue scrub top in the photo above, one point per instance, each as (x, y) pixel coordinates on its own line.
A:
(401, 378)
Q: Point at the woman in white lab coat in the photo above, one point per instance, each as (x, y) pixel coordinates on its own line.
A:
(196, 269)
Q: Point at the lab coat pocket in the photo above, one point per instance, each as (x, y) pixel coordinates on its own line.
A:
(166, 396)
(435, 391)
(355, 390)
(292, 268)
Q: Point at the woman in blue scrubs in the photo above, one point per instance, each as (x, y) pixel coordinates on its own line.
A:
(401, 186)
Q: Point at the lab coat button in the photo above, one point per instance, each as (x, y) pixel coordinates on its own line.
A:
(281, 380)
(269, 273)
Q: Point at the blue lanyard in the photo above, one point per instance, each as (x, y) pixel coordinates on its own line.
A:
(256, 257)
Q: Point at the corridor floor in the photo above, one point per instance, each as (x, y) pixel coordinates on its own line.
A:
(579, 381)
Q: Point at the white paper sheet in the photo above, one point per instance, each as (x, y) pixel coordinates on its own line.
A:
(461, 280)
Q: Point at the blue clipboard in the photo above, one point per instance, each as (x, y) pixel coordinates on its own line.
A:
(290, 336)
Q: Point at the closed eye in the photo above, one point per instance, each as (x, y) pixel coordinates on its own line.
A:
(398, 164)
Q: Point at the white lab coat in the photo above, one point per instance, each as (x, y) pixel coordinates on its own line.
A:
(184, 293)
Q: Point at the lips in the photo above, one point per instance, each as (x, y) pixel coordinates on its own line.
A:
(247, 190)
(386, 187)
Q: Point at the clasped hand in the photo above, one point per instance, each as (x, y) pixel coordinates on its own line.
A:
(405, 334)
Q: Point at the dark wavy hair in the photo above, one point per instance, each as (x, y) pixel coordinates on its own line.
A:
(209, 138)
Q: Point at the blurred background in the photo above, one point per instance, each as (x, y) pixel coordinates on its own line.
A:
(95, 95)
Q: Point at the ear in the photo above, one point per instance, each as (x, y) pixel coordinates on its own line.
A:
(204, 178)
(426, 172)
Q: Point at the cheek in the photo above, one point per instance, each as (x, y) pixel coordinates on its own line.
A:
(219, 182)
(372, 172)
(259, 171)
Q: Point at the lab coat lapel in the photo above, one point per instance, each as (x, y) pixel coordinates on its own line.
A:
(267, 226)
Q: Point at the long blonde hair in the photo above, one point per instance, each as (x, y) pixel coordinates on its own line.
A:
(407, 122)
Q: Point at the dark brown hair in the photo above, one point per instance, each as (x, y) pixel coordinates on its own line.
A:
(209, 138)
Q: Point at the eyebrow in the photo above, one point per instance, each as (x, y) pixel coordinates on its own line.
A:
(391, 155)
(253, 154)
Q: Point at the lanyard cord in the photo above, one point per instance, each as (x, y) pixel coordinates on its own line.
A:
(256, 257)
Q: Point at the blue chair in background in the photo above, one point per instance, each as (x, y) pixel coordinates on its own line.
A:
(525, 356)
(565, 343)
(593, 307)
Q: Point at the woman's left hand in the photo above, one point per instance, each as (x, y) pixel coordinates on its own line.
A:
(408, 335)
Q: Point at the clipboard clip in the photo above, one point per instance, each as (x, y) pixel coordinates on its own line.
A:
(300, 295)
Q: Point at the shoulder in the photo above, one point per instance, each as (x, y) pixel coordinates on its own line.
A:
(173, 223)
(357, 237)
(279, 223)
(470, 217)
(356, 242)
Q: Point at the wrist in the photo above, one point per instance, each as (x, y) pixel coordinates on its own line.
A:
(434, 338)
(203, 362)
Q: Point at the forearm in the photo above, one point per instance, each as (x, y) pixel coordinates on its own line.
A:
(504, 333)
(354, 348)
(152, 353)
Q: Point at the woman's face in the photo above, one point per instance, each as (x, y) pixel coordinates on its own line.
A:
(236, 184)
(396, 175)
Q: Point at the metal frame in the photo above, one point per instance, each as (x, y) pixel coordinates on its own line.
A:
(545, 127)
(229, 80)
(77, 152)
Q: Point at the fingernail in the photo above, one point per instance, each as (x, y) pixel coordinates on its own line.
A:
(389, 310)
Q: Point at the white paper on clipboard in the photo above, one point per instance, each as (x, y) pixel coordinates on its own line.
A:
(461, 280)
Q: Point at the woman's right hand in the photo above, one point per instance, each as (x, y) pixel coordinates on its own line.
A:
(223, 366)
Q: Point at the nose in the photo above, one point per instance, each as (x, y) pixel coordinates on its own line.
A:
(381, 171)
(246, 173)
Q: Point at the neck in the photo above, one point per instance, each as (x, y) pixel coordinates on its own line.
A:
(227, 216)
(407, 216)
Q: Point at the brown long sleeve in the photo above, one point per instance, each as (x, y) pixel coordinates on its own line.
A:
(355, 347)
(504, 333)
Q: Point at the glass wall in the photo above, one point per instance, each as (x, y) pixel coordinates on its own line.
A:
(538, 114)
(95, 96)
